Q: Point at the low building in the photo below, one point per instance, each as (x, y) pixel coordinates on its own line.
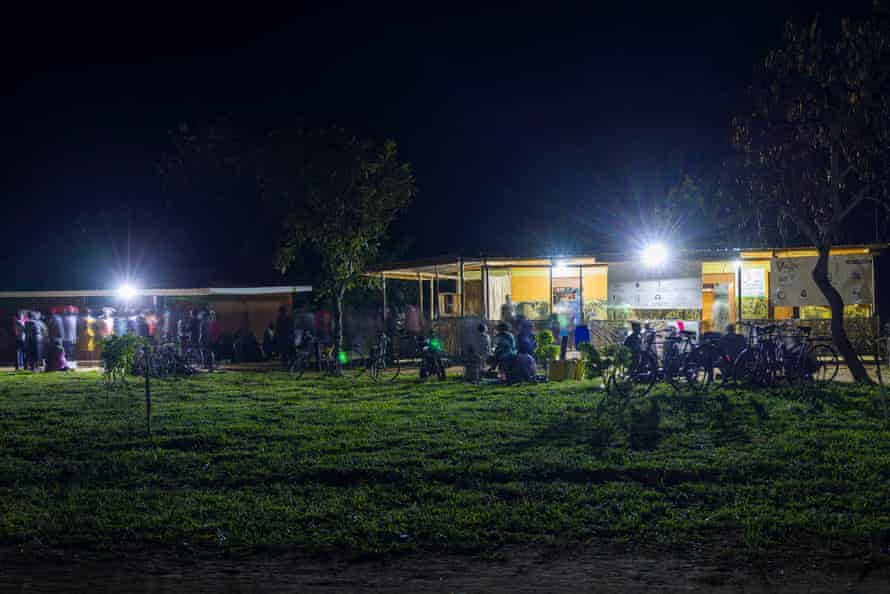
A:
(706, 289)
(238, 310)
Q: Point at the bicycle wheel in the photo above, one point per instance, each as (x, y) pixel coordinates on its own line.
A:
(821, 364)
(698, 370)
(644, 375)
(747, 367)
(382, 370)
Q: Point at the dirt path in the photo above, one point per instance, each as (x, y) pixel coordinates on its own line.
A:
(522, 571)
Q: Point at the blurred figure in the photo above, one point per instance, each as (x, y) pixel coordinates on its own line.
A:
(142, 326)
(35, 334)
(504, 346)
(106, 327)
(194, 330)
(167, 326)
(56, 324)
(207, 355)
(55, 357)
(284, 336)
(508, 310)
(269, 342)
(18, 328)
(525, 338)
(69, 331)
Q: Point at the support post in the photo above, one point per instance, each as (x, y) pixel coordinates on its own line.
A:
(420, 294)
(485, 298)
(581, 319)
(460, 285)
(383, 284)
(438, 294)
(738, 283)
(433, 298)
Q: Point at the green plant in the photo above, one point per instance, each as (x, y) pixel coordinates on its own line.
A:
(118, 356)
(616, 361)
(546, 349)
(593, 363)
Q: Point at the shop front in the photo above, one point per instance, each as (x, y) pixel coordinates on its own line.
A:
(706, 290)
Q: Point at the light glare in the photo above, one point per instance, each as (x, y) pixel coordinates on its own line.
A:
(126, 292)
(655, 255)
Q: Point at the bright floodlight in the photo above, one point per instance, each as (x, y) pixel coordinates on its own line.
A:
(126, 292)
(655, 255)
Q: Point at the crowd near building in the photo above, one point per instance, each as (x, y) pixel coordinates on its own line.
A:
(595, 297)
(57, 330)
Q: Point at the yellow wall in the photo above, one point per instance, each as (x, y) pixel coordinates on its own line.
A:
(530, 284)
(595, 283)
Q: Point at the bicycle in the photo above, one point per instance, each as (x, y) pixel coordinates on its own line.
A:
(795, 358)
(682, 363)
(807, 362)
(329, 360)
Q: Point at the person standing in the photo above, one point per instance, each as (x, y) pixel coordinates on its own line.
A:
(508, 310)
(35, 333)
(69, 332)
(56, 325)
(205, 340)
(284, 336)
(194, 330)
(18, 328)
(269, 342)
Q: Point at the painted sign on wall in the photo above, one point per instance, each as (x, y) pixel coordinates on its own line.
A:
(677, 285)
(793, 280)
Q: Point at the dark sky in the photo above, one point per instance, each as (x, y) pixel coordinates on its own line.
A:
(529, 127)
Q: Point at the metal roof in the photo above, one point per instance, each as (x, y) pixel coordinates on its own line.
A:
(448, 266)
(199, 292)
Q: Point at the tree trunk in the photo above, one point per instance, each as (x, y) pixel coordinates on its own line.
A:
(838, 332)
(340, 294)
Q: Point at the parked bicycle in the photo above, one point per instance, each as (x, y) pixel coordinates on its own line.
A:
(682, 363)
(312, 354)
(780, 353)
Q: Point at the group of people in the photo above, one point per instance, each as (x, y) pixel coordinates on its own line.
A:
(286, 334)
(45, 343)
(509, 357)
(50, 343)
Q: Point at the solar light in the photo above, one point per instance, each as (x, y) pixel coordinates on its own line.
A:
(655, 255)
(126, 292)
(435, 344)
(341, 357)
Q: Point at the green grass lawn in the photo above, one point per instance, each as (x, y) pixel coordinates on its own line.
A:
(250, 462)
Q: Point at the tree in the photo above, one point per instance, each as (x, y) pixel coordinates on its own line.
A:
(815, 146)
(339, 195)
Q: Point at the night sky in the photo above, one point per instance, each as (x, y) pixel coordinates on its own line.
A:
(531, 129)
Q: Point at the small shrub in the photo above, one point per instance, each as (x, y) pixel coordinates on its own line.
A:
(118, 356)
(593, 363)
(546, 349)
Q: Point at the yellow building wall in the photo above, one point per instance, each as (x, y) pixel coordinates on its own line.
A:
(530, 284)
(595, 292)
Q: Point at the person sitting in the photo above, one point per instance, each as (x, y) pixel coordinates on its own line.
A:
(504, 347)
(525, 338)
(520, 368)
(478, 350)
(731, 344)
(55, 357)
